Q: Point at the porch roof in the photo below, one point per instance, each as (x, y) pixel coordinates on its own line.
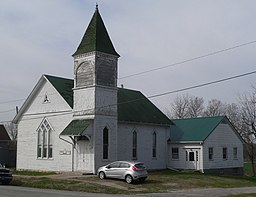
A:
(76, 127)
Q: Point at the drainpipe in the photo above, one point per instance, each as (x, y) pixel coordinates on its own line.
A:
(72, 153)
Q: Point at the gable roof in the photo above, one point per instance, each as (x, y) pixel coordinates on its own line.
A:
(3, 133)
(64, 87)
(194, 129)
(96, 37)
(133, 106)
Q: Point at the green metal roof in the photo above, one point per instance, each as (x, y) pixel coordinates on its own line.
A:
(76, 127)
(194, 129)
(96, 38)
(133, 106)
(64, 87)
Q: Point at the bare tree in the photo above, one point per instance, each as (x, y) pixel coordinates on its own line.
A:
(248, 124)
(12, 130)
(234, 115)
(187, 106)
(215, 108)
(180, 107)
(195, 106)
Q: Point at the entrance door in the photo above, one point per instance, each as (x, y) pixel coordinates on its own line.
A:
(83, 155)
(192, 159)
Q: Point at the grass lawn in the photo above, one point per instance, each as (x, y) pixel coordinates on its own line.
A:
(32, 173)
(158, 181)
(248, 169)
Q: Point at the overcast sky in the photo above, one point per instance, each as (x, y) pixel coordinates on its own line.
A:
(38, 37)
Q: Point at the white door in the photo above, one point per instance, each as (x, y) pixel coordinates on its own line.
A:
(192, 159)
(83, 155)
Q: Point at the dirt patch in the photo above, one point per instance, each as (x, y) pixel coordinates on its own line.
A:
(117, 184)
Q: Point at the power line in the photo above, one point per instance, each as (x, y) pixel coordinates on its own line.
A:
(5, 121)
(7, 111)
(204, 84)
(189, 60)
(11, 101)
(149, 97)
(163, 67)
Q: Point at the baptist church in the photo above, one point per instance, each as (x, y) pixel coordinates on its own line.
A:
(83, 123)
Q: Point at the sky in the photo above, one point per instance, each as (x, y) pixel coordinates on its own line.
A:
(39, 37)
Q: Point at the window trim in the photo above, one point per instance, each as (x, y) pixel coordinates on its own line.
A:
(44, 140)
(225, 153)
(235, 153)
(176, 154)
(210, 153)
(105, 143)
(134, 145)
(154, 146)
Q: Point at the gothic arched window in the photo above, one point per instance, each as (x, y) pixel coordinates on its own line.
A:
(105, 143)
(44, 140)
(154, 145)
(134, 145)
(84, 75)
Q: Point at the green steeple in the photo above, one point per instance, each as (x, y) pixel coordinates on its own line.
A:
(96, 37)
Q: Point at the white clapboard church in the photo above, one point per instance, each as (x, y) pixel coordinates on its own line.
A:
(83, 123)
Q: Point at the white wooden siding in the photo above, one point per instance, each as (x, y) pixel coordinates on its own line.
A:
(100, 122)
(223, 136)
(144, 144)
(27, 132)
(181, 162)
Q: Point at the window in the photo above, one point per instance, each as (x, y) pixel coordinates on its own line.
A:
(105, 143)
(84, 75)
(191, 156)
(235, 153)
(124, 165)
(134, 145)
(210, 153)
(175, 153)
(44, 140)
(114, 165)
(154, 145)
(225, 153)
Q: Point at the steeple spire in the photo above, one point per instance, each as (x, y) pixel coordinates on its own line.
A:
(96, 37)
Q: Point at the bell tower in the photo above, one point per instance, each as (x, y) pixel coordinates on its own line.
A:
(95, 67)
(95, 88)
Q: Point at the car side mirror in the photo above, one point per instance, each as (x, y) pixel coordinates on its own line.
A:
(108, 167)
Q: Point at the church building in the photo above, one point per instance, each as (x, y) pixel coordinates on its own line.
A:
(83, 123)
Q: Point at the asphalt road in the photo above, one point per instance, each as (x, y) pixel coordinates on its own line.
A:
(13, 191)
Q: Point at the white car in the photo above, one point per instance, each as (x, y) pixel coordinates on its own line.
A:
(127, 170)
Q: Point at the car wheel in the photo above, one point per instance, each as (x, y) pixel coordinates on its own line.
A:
(128, 179)
(102, 175)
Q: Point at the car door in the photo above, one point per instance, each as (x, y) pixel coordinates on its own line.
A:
(112, 170)
(124, 167)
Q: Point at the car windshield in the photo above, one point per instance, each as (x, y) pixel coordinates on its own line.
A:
(140, 166)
